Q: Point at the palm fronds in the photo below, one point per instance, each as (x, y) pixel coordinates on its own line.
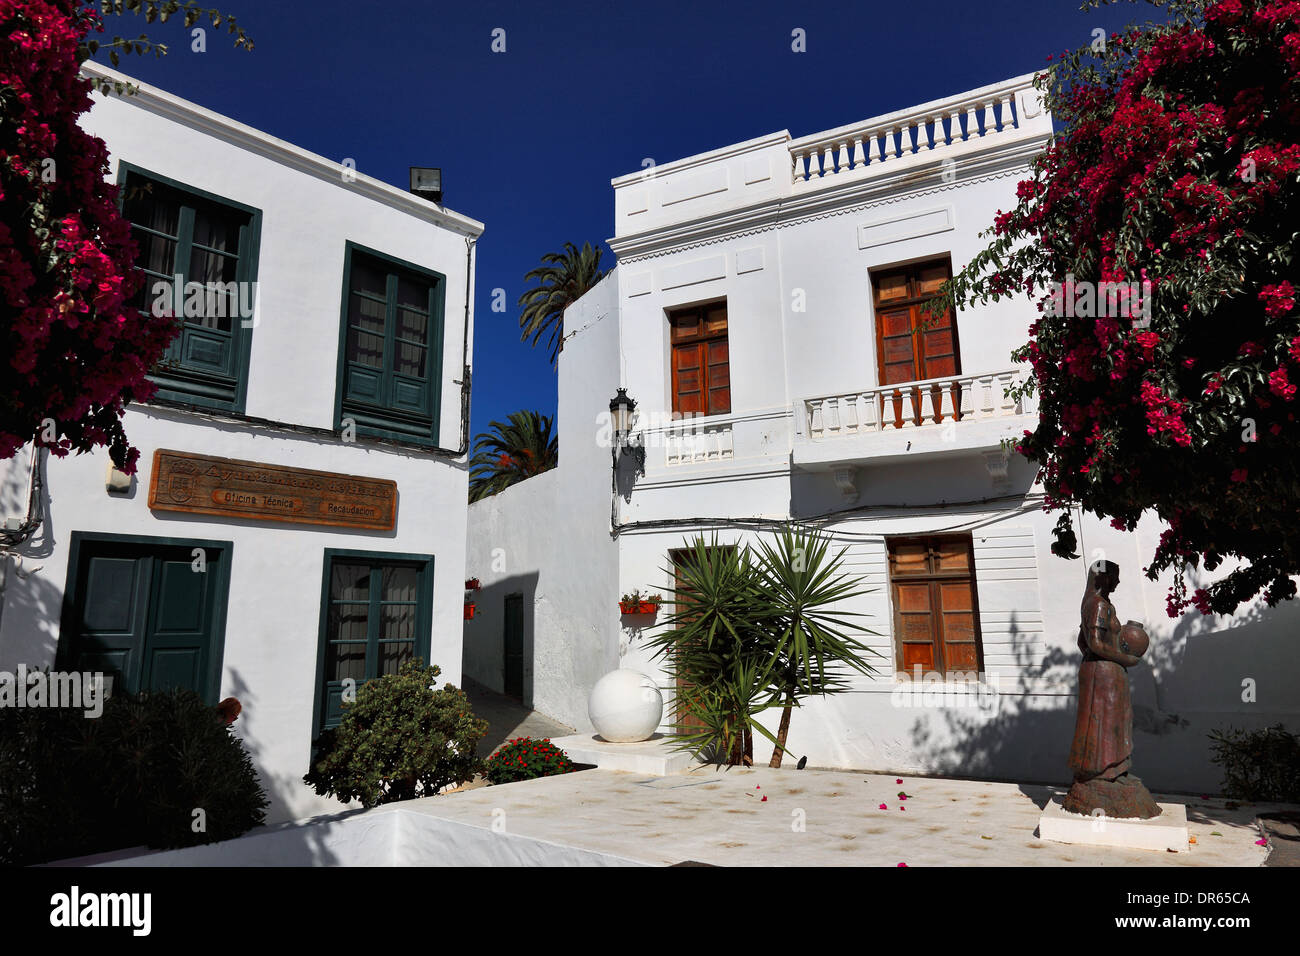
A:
(562, 280)
(515, 450)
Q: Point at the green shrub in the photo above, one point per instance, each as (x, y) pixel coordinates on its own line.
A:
(1259, 764)
(72, 785)
(525, 759)
(401, 739)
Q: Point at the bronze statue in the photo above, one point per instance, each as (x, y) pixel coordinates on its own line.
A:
(1102, 753)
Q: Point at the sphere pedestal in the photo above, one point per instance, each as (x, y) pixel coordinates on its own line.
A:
(625, 706)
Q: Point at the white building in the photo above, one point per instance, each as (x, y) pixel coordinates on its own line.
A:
(326, 542)
(769, 291)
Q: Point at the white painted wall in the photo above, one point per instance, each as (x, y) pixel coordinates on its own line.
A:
(548, 538)
(273, 616)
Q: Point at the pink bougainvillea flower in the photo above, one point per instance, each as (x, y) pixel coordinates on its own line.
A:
(1279, 384)
(902, 864)
(882, 807)
(1278, 299)
(764, 800)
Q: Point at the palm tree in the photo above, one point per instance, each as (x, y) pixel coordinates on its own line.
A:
(565, 278)
(521, 447)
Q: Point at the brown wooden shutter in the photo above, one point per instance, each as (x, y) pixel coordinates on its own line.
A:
(935, 613)
(701, 360)
(910, 345)
(688, 379)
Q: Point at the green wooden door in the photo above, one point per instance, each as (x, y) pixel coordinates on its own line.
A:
(146, 614)
(513, 655)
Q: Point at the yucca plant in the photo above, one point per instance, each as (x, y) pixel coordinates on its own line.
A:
(562, 280)
(755, 629)
(522, 446)
(814, 652)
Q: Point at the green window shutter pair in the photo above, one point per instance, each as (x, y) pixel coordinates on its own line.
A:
(376, 615)
(205, 240)
(391, 331)
(388, 337)
(136, 610)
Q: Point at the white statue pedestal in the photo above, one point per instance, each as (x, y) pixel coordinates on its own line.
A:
(1165, 832)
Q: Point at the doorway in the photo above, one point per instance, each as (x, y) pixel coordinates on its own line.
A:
(512, 656)
(150, 612)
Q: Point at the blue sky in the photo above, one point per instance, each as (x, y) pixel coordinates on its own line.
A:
(529, 139)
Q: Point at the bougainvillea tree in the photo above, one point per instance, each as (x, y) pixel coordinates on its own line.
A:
(1173, 175)
(75, 348)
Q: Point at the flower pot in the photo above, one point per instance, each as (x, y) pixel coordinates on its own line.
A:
(646, 607)
(469, 612)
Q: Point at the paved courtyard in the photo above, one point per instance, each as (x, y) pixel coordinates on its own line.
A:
(822, 818)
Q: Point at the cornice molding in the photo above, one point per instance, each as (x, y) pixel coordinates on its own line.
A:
(206, 121)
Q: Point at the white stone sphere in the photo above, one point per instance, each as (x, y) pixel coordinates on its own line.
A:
(625, 706)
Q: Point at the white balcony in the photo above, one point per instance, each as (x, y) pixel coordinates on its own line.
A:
(916, 419)
(676, 443)
(690, 443)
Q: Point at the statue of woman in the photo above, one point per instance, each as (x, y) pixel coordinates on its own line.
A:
(1101, 756)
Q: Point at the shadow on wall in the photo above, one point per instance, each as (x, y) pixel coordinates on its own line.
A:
(917, 483)
(1190, 683)
(630, 466)
(31, 602)
(285, 789)
(483, 656)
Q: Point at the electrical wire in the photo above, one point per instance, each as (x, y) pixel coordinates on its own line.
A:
(12, 538)
(1029, 502)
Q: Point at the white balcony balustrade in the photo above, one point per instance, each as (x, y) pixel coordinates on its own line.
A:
(914, 405)
(932, 128)
(695, 443)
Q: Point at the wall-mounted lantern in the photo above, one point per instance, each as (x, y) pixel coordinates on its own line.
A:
(620, 413)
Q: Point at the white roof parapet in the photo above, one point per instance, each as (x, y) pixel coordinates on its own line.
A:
(996, 115)
(711, 156)
(947, 104)
(981, 131)
(174, 107)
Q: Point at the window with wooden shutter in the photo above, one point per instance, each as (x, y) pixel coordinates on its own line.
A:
(210, 244)
(392, 346)
(375, 616)
(936, 617)
(912, 346)
(701, 369)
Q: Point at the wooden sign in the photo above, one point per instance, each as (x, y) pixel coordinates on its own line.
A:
(200, 484)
